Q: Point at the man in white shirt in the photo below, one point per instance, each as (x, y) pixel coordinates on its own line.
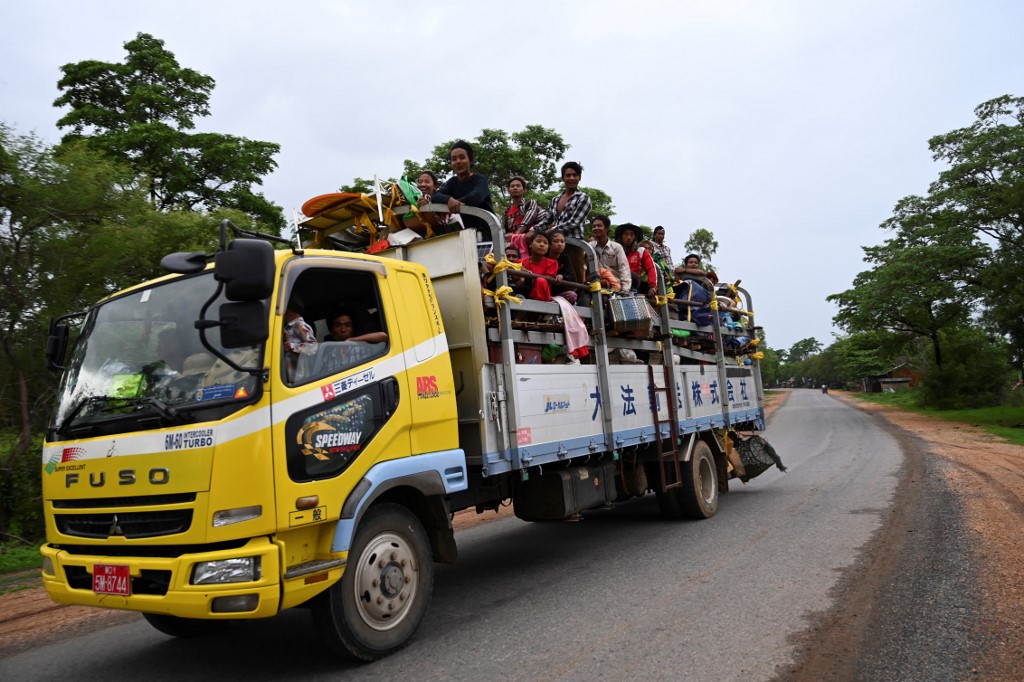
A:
(610, 253)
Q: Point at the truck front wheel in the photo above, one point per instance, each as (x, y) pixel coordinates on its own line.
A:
(381, 598)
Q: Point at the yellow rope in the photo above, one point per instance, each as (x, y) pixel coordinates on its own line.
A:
(759, 355)
(714, 303)
(660, 300)
(503, 264)
(503, 295)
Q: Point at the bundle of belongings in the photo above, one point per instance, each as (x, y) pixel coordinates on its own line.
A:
(630, 313)
(756, 456)
(689, 290)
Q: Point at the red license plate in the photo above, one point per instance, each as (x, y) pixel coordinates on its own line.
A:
(111, 579)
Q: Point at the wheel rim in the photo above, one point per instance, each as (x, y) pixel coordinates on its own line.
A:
(708, 481)
(386, 581)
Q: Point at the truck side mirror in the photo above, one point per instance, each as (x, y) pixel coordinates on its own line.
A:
(56, 347)
(243, 324)
(246, 269)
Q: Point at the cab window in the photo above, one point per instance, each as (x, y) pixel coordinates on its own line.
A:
(333, 322)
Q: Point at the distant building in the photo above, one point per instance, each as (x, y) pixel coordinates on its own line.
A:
(899, 378)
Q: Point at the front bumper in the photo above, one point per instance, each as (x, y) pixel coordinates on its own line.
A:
(161, 585)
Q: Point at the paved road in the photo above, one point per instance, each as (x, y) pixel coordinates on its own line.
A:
(622, 594)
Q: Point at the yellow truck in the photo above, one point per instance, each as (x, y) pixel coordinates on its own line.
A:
(201, 465)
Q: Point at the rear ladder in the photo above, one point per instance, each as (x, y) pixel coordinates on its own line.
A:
(668, 456)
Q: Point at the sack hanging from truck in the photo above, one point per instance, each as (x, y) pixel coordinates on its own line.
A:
(756, 454)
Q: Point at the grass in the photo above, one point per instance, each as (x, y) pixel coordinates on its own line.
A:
(19, 557)
(1000, 421)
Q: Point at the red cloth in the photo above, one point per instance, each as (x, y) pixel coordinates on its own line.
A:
(541, 289)
(640, 266)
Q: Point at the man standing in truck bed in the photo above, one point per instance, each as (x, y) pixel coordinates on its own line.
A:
(465, 188)
(571, 208)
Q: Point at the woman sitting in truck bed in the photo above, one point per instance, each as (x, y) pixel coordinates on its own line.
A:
(539, 264)
(566, 273)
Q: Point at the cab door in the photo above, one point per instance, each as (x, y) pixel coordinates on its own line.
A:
(338, 408)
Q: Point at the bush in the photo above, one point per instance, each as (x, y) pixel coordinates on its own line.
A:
(975, 372)
(21, 506)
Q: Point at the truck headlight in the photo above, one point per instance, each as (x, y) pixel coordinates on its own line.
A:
(243, 570)
(225, 517)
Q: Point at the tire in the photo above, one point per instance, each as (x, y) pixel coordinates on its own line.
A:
(699, 495)
(185, 628)
(697, 498)
(382, 596)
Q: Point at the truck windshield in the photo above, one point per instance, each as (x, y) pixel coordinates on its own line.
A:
(138, 363)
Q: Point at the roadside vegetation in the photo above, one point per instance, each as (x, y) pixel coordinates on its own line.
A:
(1005, 421)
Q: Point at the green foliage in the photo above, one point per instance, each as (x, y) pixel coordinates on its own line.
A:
(703, 243)
(140, 111)
(771, 366)
(865, 354)
(982, 190)
(803, 349)
(924, 279)
(73, 229)
(957, 253)
(976, 372)
(21, 504)
(532, 153)
(363, 185)
(18, 556)
(1004, 421)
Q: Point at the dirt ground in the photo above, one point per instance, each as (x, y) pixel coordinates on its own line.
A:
(986, 472)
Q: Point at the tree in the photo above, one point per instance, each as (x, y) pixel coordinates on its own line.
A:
(532, 153)
(702, 242)
(140, 112)
(982, 190)
(868, 353)
(924, 279)
(983, 187)
(73, 229)
(770, 364)
(802, 350)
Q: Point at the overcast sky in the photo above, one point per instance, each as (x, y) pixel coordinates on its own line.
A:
(789, 128)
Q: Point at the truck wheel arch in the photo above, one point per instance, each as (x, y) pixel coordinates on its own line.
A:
(421, 493)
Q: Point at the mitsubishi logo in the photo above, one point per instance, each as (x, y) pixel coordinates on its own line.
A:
(115, 527)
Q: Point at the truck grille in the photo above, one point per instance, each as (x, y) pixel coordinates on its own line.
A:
(130, 525)
(135, 501)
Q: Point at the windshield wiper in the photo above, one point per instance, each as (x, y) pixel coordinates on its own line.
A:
(166, 412)
(82, 404)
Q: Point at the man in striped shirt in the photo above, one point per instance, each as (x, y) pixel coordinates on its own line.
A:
(569, 209)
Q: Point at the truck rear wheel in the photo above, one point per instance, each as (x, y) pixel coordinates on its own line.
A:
(699, 495)
(697, 498)
(377, 605)
(186, 628)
